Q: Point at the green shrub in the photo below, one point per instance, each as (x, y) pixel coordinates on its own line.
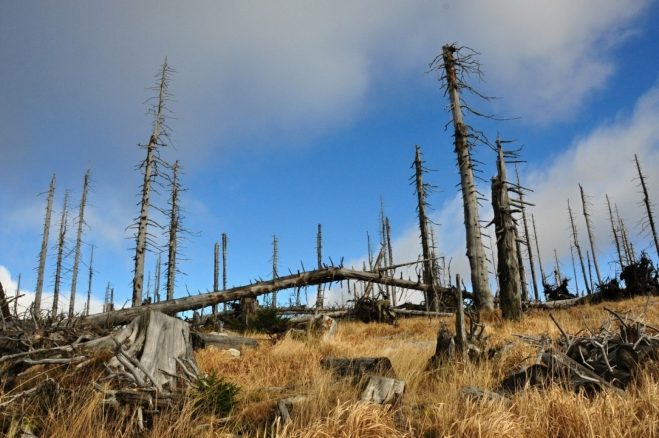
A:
(215, 395)
(266, 320)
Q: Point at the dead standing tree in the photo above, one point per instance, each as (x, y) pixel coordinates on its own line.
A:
(76, 257)
(527, 237)
(507, 248)
(150, 165)
(319, 250)
(648, 206)
(453, 66)
(615, 233)
(577, 246)
(60, 253)
(589, 226)
(44, 249)
(275, 262)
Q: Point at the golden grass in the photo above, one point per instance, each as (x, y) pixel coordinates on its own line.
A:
(433, 405)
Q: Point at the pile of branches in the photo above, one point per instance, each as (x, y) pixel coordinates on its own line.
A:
(369, 310)
(589, 361)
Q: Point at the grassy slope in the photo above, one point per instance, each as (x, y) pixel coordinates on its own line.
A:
(433, 404)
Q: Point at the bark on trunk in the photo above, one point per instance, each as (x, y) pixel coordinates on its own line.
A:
(423, 221)
(475, 251)
(527, 237)
(506, 232)
(76, 260)
(44, 249)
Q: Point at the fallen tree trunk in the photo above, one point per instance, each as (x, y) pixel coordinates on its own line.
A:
(327, 275)
(226, 342)
(420, 312)
(558, 304)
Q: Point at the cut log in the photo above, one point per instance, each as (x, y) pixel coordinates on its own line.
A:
(203, 340)
(380, 366)
(327, 275)
(383, 390)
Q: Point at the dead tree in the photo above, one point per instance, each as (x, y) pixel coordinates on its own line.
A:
(422, 190)
(589, 227)
(629, 254)
(577, 246)
(216, 273)
(454, 66)
(394, 298)
(173, 231)
(150, 165)
(558, 277)
(574, 269)
(60, 253)
(89, 286)
(527, 238)
(648, 205)
(275, 262)
(156, 280)
(224, 265)
(504, 224)
(615, 233)
(522, 271)
(76, 257)
(18, 292)
(44, 249)
(537, 248)
(319, 250)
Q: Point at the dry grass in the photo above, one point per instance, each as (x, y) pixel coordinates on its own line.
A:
(433, 405)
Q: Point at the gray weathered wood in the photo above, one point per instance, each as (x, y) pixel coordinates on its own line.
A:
(383, 390)
(226, 342)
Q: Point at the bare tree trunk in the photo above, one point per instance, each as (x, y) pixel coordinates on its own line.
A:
(173, 229)
(576, 245)
(648, 206)
(574, 268)
(615, 233)
(89, 286)
(44, 249)
(60, 253)
(494, 267)
(76, 259)
(629, 256)
(156, 286)
(527, 238)
(557, 272)
(423, 220)
(509, 278)
(140, 247)
(537, 247)
(475, 251)
(319, 250)
(522, 272)
(590, 234)
(275, 260)
(18, 292)
(216, 274)
(224, 265)
(460, 332)
(590, 272)
(394, 299)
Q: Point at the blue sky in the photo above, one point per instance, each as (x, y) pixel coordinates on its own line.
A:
(293, 113)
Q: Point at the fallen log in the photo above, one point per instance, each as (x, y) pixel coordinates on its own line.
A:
(225, 342)
(310, 278)
(420, 312)
(559, 304)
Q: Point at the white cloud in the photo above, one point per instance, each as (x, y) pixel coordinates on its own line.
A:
(27, 298)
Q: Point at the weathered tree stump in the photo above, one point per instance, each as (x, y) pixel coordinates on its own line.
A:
(383, 390)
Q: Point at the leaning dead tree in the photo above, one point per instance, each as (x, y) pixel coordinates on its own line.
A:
(629, 254)
(422, 190)
(648, 205)
(615, 233)
(507, 247)
(537, 248)
(330, 274)
(60, 253)
(453, 66)
(577, 246)
(44, 249)
(150, 166)
(76, 257)
(589, 226)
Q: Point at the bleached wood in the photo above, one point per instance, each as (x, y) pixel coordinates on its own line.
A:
(44, 249)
